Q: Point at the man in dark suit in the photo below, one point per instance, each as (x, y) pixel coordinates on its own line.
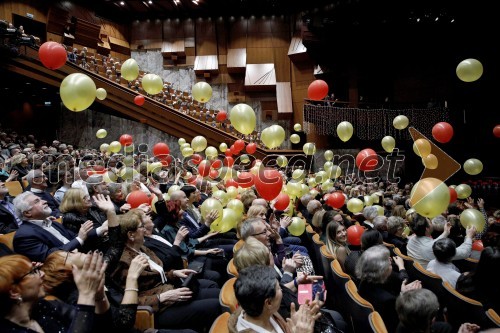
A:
(38, 184)
(39, 236)
(8, 220)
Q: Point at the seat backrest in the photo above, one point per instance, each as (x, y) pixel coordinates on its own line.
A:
(493, 317)
(317, 244)
(231, 269)
(326, 260)
(238, 245)
(377, 323)
(14, 188)
(8, 239)
(227, 298)
(359, 309)
(465, 265)
(408, 262)
(462, 309)
(390, 247)
(339, 295)
(430, 281)
(220, 324)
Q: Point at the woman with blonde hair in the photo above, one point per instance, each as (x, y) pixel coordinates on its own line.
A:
(336, 241)
(20, 164)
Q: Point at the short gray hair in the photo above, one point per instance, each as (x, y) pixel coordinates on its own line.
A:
(246, 227)
(370, 212)
(394, 223)
(438, 223)
(380, 223)
(373, 265)
(21, 205)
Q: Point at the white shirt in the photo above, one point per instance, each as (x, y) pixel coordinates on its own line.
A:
(161, 239)
(243, 324)
(47, 225)
(420, 249)
(448, 272)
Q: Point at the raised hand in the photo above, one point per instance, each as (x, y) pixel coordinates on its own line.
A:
(104, 203)
(410, 286)
(183, 273)
(212, 216)
(137, 266)
(181, 235)
(85, 229)
(89, 277)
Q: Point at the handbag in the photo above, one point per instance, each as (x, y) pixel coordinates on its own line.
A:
(326, 323)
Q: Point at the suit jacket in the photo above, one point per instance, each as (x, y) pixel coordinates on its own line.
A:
(7, 221)
(196, 230)
(37, 243)
(51, 202)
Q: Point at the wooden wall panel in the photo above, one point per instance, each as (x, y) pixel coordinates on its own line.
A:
(259, 25)
(282, 64)
(189, 28)
(38, 8)
(237, 34)
(221, 37)
(150, 29)
(281, 39)
(259, 55)
(279, 24)
(260, 39)
(172, 29)
(206, 41)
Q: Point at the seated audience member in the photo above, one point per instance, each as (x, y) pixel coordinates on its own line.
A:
(369, 214)
(373, 270)
(419, 246)
(380, 224)
(329, 216)
(369, 238)
(482, 283)
(444, 250)
(438, 224)
(247, 198)
(336, 241)
(38, 184)
(417, 310)
(20, 164)
(81, 175)
(67, 180)
(317, 221)
(312, 207)
(118, 198)
(259, 296)
(395, 236)
(399, 211)
(175, 307)
(23, 308)
(39, 236)
(9, 221)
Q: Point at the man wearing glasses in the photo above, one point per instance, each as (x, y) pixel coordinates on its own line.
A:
(39, 236)
(38, 185)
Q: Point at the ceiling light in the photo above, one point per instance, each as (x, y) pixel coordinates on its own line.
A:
(122, 3)
(150, 2)
(195, 2)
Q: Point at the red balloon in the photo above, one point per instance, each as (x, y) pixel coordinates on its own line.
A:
(228, 161)
(232, 182)
(161, 148)
(318, 89)
(204, 168)
(251, 148)
(52, 55)
(282, 201)
(137, 198)
(367, 160)
(354, 233)
(196, 158)
(126, 139)
(139, 100)
(216, 164)
(496, 131)
(213, 174)
(228, 152)
(453, 195)
(268, 183)
(477, 245)
(239, 145)
(245, 179)
(442, 132)
(221, 116)
(335, 200)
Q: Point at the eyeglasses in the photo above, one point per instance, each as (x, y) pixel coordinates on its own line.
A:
(260, 233)
(35, 270)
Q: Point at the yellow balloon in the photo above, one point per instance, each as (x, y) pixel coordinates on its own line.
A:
(400, 122)
(208, 205)
(309, 148)
(473, 166)
(355, 205)
(152, 84)
(109, 177)
(129, 148)
(345, 131)
(230, 219)
(211, 152)
(375, 198)
(328, 165)
(128, 160)
(101, 93)
(201, 92)
(232, 192)
(101, 134)
(297, 127)
(430, 197)
(321, 176)
(187, 152)
(327, 184)
(328, 155)
(181, 141)
(430, 161)
(273, 136)
(130, 70)
(244, 159)
(221, 196)
(115, 147)
(173, 188)
(388, 143)
(298, 174)
(155, 200)
(77, 92)
(472, 217)
(235, 205)
(294, 138)
(223, 147)
(469, 70)
(154, 167)
(422, 147)
(314, 193)
(297, 227)
(242, 118)
(104, 147)
(463, 191)
(368, 200)
(380, 210)
(199, 143)
(282, 161)
(185, 145)
(312, 182)
(335, 172)
(293, 188)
